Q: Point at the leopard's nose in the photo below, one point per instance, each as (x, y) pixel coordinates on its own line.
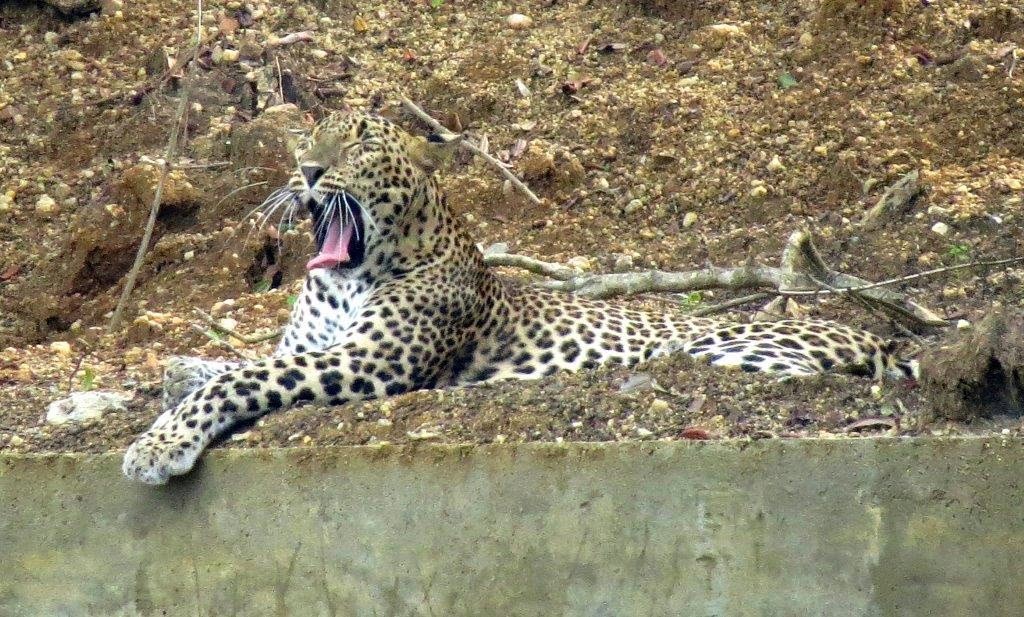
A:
(312, 173)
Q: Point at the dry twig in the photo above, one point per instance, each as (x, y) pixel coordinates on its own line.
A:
(169, 153)
(223, 343)
(248, 340)
(472, 147)
(728, 304)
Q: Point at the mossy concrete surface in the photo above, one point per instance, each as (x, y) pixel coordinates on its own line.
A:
(830, 528)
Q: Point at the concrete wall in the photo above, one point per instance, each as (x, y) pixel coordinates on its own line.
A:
(730, 529)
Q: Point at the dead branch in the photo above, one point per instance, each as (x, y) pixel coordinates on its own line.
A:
(224, 344)
(802, 258)
(472, 147)
(536, 266)
(916, 275)
(165, 168)
(221, 328)
(802, 272)
(728, 304)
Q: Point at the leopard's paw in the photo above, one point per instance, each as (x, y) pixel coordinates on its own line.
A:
(183, 375)
(158, 454)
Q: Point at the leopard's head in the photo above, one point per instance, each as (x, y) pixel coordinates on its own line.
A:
(361, 177)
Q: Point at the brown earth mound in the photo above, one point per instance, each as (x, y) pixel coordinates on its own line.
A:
(659, 135)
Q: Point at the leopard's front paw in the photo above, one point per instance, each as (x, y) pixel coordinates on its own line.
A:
(183, 375)
(157, 455)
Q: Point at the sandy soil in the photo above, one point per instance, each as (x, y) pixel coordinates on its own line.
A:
(662, 136)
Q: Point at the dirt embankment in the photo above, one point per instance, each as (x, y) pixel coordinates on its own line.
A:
(660, 134)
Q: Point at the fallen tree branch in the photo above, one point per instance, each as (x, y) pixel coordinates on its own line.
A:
(802, 259)
(536, 266)
(802, 272)
(910, 277)
(472, 147)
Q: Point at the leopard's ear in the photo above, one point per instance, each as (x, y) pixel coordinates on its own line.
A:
(435, 150)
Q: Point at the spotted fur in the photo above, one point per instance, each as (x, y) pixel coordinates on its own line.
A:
(416, 308)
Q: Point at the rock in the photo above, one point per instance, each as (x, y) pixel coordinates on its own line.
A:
(82, 406)
(141, 180)
(759, 192)
(518, 21)
(62, 348)
(46, 205)
(659, 406)
(222, 307)
(633, 206)
(623, 263)
(940, 228)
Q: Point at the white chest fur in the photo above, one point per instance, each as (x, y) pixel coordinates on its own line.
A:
(324, 312)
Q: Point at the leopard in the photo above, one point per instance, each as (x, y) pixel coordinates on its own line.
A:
(398, 298)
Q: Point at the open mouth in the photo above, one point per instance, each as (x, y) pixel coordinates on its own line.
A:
(339, 233)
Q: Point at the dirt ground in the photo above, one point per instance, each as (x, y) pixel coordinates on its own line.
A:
(659, 135)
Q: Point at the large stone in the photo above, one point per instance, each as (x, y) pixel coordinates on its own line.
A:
(83, 406)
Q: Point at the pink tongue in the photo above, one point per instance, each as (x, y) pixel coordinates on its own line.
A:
(335, 249)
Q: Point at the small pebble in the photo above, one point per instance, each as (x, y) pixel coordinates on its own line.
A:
(940, 228)
(61, 347)
(623, 263)
(223, 306)
(518, 21)
(776, 164)
(689, 219)
(46, 204)
(659, 406)
(962, 324)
